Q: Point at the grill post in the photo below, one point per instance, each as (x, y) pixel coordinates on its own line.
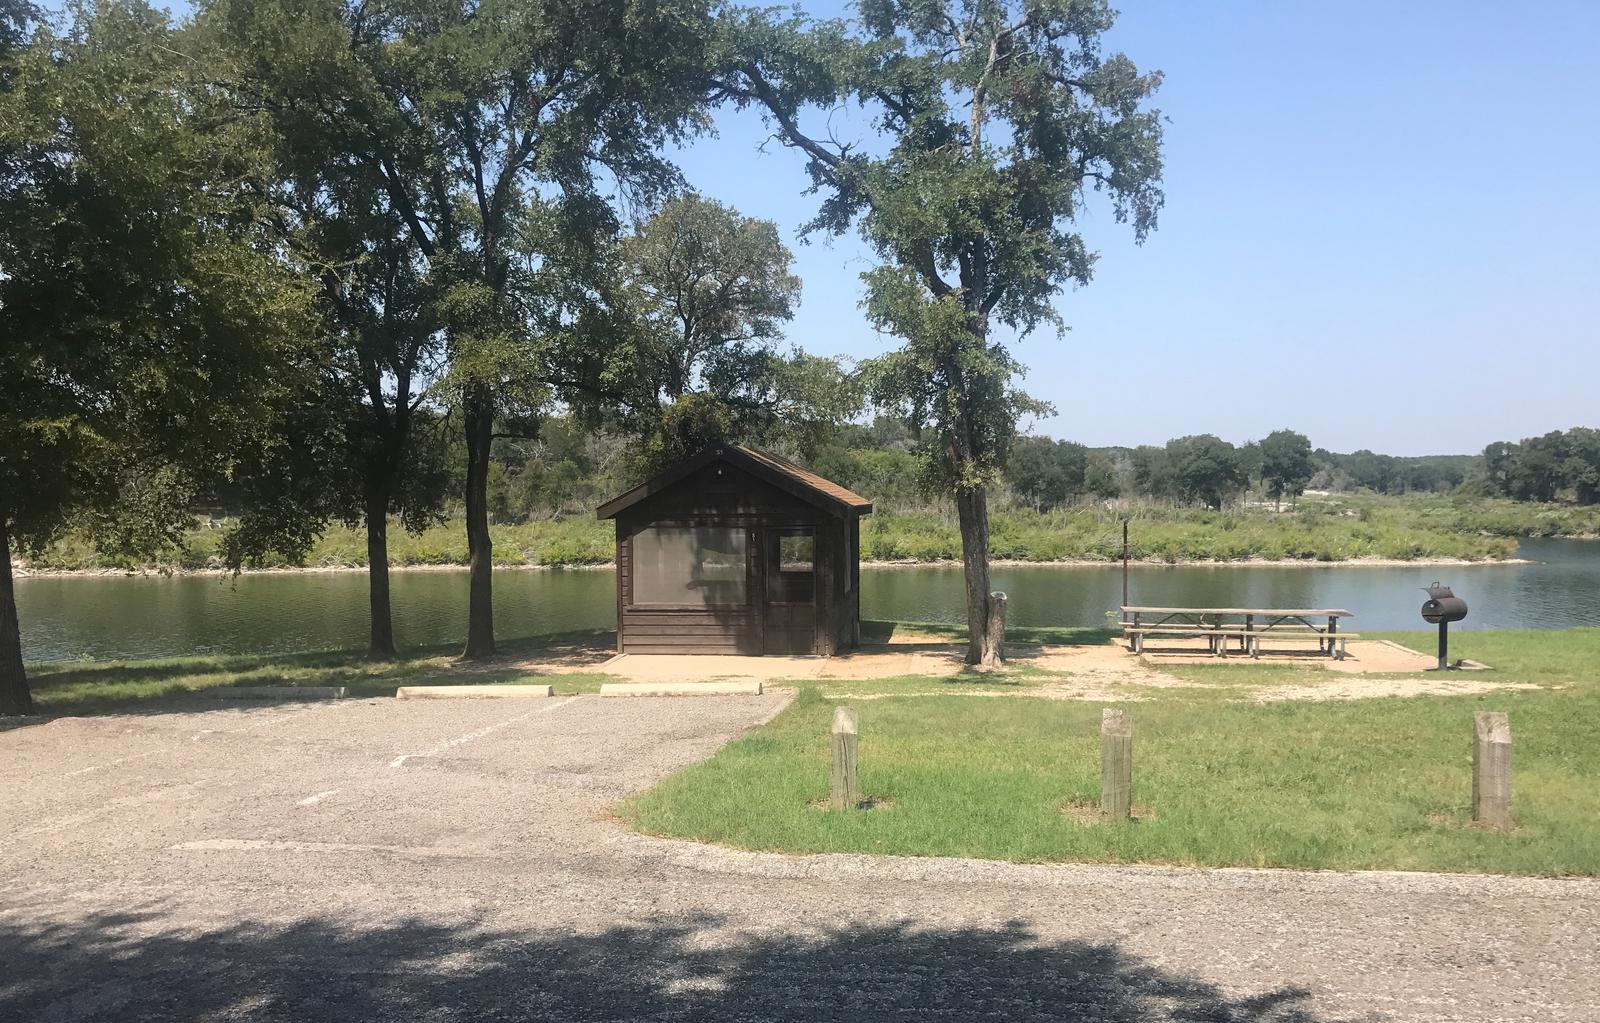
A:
(1124, 562)
(1444, 646)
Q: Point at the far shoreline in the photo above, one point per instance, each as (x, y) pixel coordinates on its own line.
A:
(22, 571)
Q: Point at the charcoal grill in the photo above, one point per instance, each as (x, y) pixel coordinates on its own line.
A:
(1441, 608)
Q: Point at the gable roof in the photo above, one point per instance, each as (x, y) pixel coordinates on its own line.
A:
(780, 472)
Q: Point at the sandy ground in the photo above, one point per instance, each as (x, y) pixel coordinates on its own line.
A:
(1093, 672)
(395, 860)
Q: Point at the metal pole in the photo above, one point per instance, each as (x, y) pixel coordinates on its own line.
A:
(1124, 562)
(1444, 646)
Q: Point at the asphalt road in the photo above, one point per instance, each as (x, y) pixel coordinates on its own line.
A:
(380, 859)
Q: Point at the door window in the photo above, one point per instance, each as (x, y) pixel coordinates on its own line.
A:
(792, 567)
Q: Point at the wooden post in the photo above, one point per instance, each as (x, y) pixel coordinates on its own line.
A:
(1116, 764)
(1491, 770)
(844, 794)
(997, 625)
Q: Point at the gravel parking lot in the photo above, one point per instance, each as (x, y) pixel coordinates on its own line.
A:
(385, 859)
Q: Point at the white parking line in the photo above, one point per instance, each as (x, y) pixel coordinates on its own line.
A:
(319, 797)
(268, 845)
(480, 733)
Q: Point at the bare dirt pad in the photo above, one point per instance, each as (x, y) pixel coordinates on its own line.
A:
(273, 863)
(1346, 688)
(1097, 672)
(1097, 665)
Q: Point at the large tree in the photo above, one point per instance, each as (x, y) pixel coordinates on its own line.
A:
(1205, 468)
(152, 330)
(1285, 464)
(994, 119)
(487, 122)
(368, 443)
(699, 297)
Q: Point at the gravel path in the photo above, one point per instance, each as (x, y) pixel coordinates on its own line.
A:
(386, 859)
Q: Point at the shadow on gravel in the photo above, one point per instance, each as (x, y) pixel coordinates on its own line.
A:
(131, 967)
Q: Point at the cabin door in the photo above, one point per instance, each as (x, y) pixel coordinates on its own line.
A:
(789, 564)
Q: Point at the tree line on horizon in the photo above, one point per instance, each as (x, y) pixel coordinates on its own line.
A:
(569, 469)
(325, 258)
(1561, 464)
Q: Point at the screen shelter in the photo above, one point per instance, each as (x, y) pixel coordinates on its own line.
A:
(738, 551)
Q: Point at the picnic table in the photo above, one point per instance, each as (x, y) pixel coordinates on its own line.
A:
(1248, 625)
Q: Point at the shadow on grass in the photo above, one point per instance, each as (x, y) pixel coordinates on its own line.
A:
(80, 687)
(138, 966)
(878, 632)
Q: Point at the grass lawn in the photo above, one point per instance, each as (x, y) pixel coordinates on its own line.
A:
(1218, 779)
(79, 687)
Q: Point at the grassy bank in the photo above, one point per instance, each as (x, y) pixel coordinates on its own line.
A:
(1219, 779)
(1399, 529)
(1320, 530)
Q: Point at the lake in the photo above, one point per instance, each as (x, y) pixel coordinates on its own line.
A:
(135, 617)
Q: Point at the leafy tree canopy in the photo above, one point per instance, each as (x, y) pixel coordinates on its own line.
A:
(1286, 465)
(1205, 468)
(152, 330)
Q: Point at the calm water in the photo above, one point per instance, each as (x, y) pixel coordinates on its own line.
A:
(151, 617)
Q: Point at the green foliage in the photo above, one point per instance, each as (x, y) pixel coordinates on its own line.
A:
(712, 290)
(1204, 468)
(1558, 464)
(1048, 473)
(1392, 529)
(691, 354)
(152, 333)
(149, 327)
(685, 426)
(1286, 465)
(993, 120)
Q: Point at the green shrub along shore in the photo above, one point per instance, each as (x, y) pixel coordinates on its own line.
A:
(1333, 529)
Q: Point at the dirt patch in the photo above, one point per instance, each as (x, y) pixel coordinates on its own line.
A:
(1084, 811)
(1101, 672)
(1104, 664)
(1378, 688)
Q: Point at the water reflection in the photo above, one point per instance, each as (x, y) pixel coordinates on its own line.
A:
(153, 617)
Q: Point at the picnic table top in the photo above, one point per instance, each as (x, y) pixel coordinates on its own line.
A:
(1278, 612)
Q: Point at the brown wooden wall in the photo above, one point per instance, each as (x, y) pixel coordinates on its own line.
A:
(733, 497)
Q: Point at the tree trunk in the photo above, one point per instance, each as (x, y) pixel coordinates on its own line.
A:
(381, 643)
(480, 549)
(14, 695)
(972, 507)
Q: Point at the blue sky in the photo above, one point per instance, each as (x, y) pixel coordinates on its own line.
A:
(1380, 230)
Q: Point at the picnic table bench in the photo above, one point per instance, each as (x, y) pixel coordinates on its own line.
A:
(1248, 625)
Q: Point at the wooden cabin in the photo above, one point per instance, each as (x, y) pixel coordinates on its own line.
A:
(737, 551)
